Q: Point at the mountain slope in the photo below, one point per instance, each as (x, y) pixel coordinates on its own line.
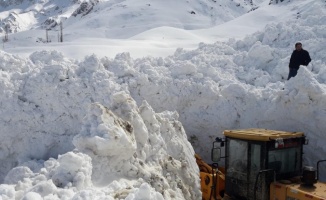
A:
(143, 28)
(130, 16)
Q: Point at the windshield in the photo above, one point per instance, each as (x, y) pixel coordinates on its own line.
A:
(284, 160)
(237, 159)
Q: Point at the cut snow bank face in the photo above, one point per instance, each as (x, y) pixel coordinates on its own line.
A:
(141, 146)
(43, 101)
(142, 155)
(128, 152)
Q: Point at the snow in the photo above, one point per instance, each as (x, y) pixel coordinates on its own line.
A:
(81, 120)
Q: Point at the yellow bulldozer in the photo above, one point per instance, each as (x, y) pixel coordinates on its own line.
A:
(260, 164)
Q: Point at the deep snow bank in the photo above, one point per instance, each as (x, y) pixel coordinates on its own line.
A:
(239, 84)
(142, 155)
(43, 102)
(128, 152)
(143, 147)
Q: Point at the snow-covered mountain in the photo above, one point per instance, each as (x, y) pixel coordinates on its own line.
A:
(111, 126)
(130, 23)
(113, 15)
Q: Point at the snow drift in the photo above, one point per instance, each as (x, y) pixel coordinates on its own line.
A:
(139, 155)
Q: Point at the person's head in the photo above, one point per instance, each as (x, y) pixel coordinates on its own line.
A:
(298, 46)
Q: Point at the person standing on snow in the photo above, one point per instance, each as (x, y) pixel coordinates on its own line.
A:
(298, 57)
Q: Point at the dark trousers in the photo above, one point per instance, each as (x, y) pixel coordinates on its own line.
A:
(293, 72)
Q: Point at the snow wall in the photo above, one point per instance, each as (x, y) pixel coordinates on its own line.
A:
(89, 129)
(64, 141)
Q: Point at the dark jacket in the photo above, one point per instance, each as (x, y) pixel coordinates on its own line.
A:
(299, 58)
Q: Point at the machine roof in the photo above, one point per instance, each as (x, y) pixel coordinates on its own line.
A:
(261, 134)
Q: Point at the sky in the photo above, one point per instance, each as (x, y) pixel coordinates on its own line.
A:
(118, 109)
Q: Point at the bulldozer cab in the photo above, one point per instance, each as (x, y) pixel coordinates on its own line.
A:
(254, 158)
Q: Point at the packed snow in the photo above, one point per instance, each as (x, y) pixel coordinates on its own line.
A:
(119, 127)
